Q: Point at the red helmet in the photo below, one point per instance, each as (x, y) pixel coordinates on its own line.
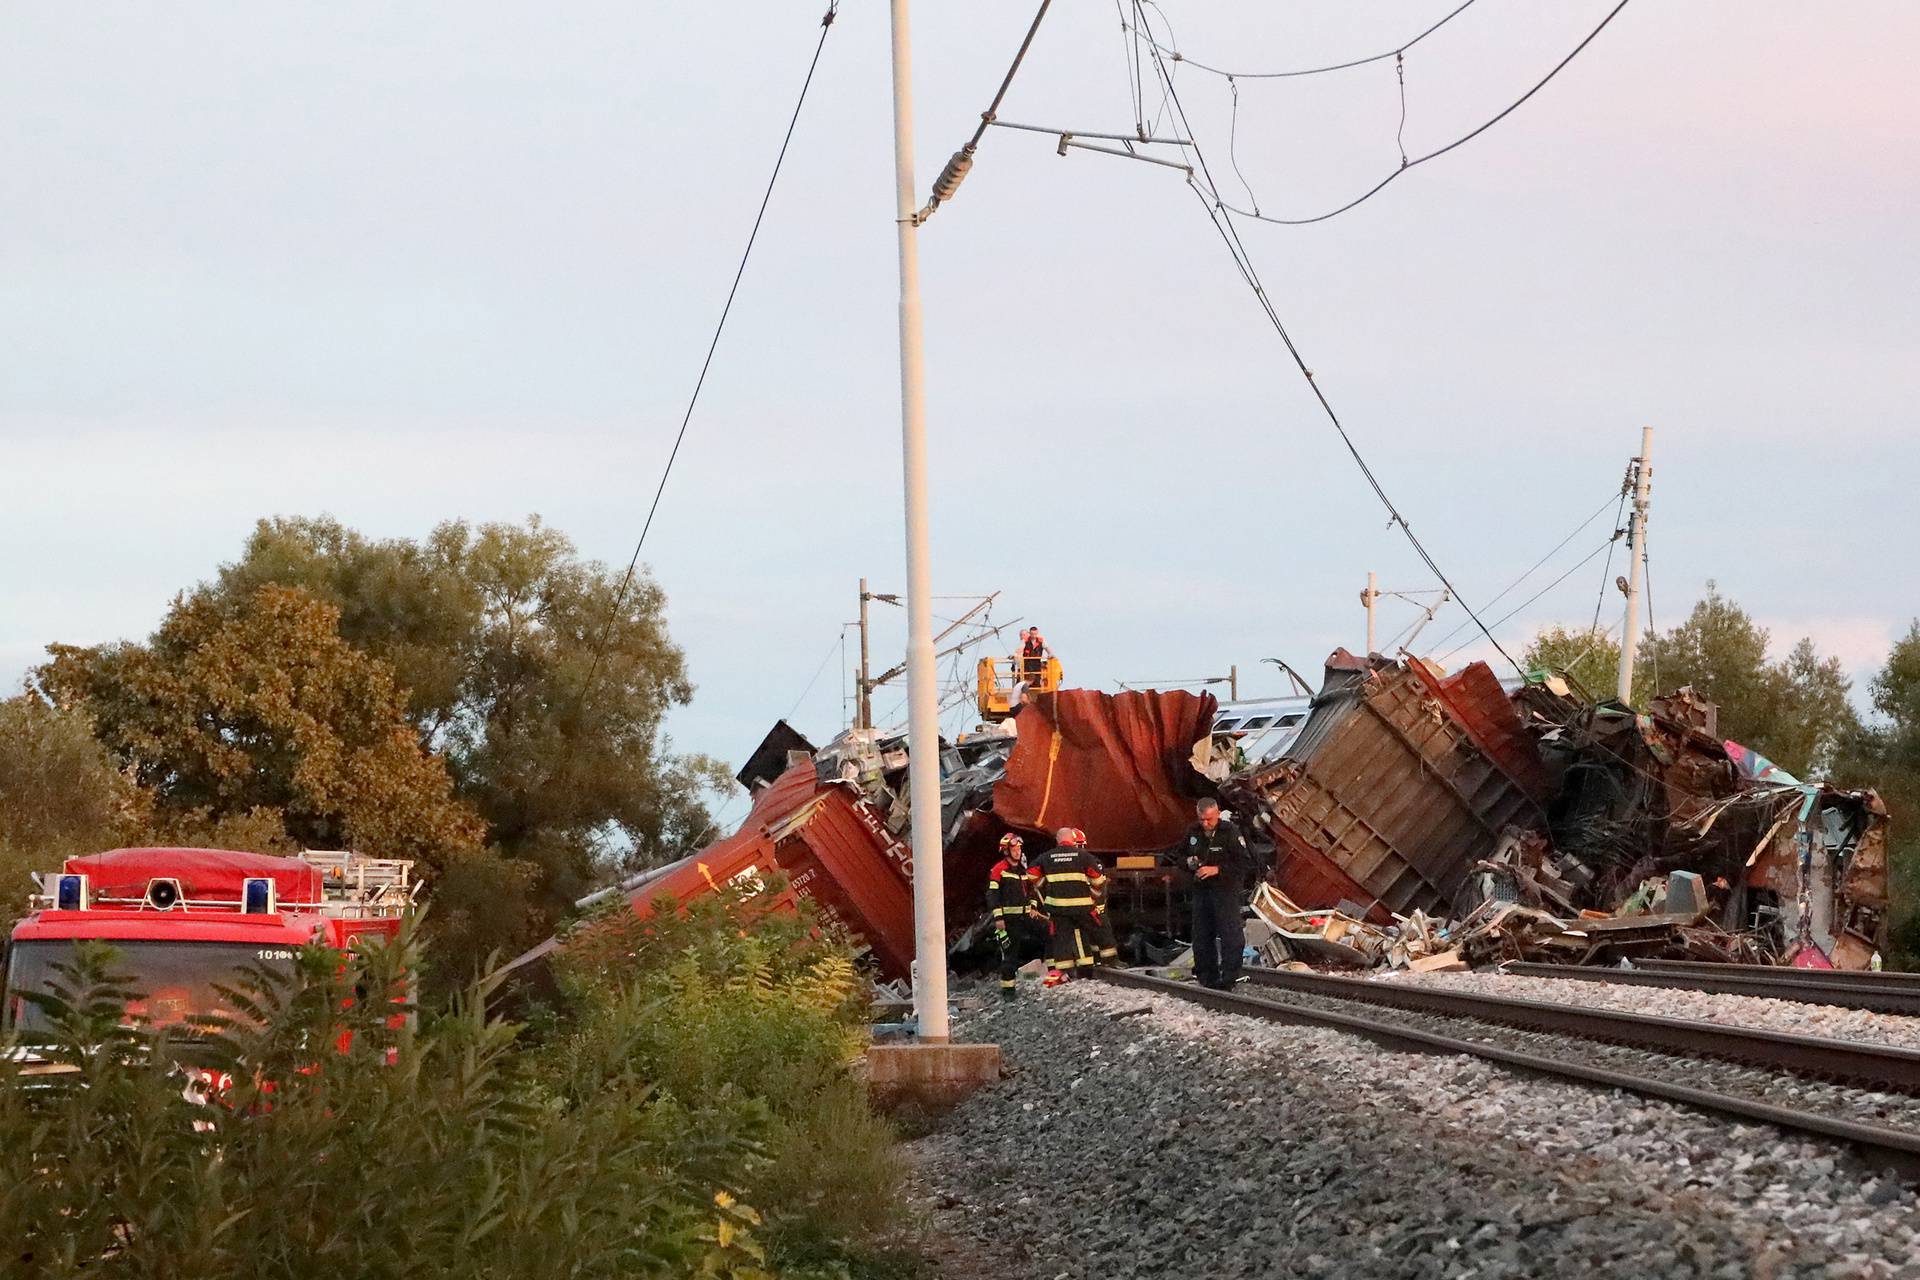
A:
(1011, 843)
(1070, 838)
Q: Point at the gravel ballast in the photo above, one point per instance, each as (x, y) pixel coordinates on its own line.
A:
(1172, 1141)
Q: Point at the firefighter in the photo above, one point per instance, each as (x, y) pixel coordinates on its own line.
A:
(1217, 855)
(1013, 895)
(1078, 935)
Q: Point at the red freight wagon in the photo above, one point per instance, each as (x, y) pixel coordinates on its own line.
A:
(833, 849)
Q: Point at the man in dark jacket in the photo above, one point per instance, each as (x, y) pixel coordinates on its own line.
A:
(1216, 853)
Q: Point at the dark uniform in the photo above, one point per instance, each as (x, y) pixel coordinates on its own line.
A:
(1219, 935)
(1013, 892)
(1078, 935)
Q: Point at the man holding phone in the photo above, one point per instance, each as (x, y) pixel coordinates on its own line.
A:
(1218, 857)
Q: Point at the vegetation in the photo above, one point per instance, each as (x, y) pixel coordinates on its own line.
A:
(539, 680)
(769, 1004)
(60, 796)
(1884, 753)
(482, 700)
(1794, 710)
(692, 1115)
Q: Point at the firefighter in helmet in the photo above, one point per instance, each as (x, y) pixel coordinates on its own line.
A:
(1013, 896)
(1071, 884)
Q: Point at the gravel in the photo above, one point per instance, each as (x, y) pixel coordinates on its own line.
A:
(1171, 1141)
(1669, 1002)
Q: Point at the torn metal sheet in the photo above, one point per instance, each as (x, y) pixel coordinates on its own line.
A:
(1117, 766)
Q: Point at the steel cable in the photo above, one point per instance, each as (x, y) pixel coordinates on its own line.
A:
(620, 596)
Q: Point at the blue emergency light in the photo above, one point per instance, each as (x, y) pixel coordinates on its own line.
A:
(70, 894)
(258, 898)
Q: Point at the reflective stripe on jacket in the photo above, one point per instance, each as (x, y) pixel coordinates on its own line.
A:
(1069, 880)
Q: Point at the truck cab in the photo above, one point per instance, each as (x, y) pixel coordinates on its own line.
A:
(185, 922)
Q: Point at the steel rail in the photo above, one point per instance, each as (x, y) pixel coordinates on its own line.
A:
(1771, 985)
(1840, 979)
(1896, 1150)
(1875, 1066)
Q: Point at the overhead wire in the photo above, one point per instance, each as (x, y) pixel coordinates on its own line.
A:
(1398, 49)
(1462, 140)
(961, 161)
(1606, 570)
(838, 645)
(1533, 569)
(626, 581)
(1516, 610)
(1230, 236)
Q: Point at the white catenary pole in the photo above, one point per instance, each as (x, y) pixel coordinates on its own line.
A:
(1636, 559)
(1370, 596)
(923, 722)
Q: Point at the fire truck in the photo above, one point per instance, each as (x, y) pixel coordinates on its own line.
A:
(185, 922)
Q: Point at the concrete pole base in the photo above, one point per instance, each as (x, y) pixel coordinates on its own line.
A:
(926, 1075)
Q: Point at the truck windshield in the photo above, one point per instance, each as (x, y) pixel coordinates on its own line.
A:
(175, 980)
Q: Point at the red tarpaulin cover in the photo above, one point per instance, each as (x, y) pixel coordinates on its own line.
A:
(1117, 766)
(202, 873)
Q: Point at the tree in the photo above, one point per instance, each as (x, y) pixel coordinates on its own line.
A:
(254, 710)
(1589, 656)
(543, 682)
(1885, 754)
(1794, 711)
(60, 796)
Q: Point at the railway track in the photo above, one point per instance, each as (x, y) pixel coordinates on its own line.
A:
(1893, 1148)
(1878, 993)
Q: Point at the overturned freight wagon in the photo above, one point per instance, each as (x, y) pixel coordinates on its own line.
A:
(1399, 782)
(823, 842)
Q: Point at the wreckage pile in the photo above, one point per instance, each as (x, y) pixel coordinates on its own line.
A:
(1442, 821)
(1408, 818)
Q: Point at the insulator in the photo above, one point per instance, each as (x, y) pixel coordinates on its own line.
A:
(949, 180)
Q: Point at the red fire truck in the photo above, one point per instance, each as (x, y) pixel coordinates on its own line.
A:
(184, 922)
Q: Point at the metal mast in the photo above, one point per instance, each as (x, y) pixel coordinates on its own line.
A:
(1636, 561)
(923, 720)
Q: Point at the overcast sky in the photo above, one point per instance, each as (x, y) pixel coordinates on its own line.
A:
(402, 263)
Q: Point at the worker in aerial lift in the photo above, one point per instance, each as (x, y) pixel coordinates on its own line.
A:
(1033, 655)
(1216, 853)
(1071, 881)
(1013, 896)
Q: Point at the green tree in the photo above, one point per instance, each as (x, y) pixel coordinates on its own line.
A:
(1885, 754)
(60, 796)
(256, 706)
(1795, 711)
(1590, 656)
(496, 633)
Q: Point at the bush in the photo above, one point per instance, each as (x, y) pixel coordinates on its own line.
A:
(725, 999)
(425, 1153)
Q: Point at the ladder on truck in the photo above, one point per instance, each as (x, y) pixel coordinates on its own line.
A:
(359, 885)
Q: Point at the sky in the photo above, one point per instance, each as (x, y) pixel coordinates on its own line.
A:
(407, 263)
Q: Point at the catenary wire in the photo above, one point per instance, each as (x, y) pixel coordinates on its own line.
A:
(1224, 225)
(1533, 569)
(1416, 162)
(626, 581)
(1401, 48)
(1606, 570)
(838, 645)
(1516, 610)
